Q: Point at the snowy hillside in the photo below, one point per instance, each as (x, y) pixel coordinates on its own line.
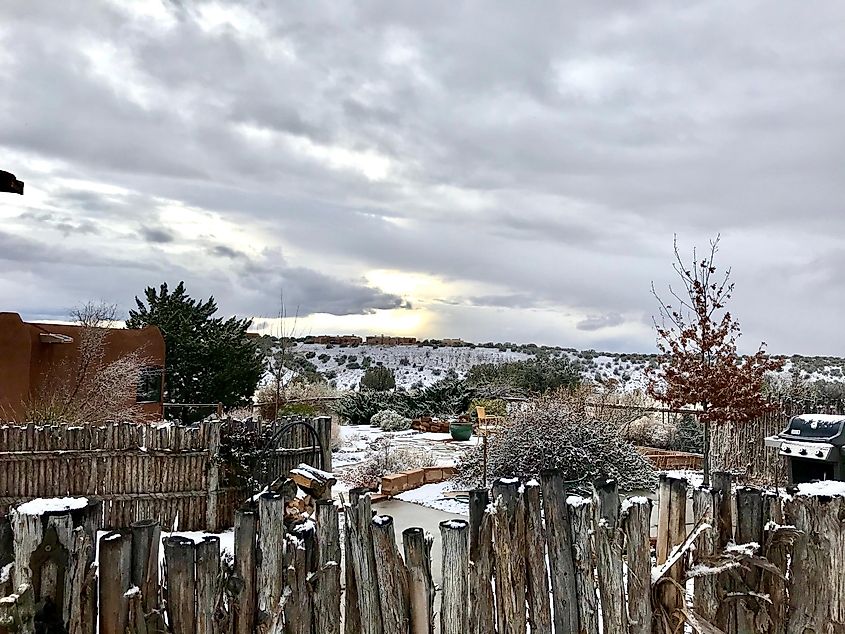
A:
(423, 364)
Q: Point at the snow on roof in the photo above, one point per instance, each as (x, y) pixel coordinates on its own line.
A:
(821, 418)
(39, 506)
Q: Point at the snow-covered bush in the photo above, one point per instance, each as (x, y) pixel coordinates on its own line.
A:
(387, 459)
(554, 432)
(390, 420)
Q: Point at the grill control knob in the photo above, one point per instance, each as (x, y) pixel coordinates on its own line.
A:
(787, 450)
(819, 454)
(803, 452)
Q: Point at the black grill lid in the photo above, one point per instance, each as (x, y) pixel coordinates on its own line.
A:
(816, 427)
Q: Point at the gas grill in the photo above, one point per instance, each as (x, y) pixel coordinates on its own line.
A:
(813, 445)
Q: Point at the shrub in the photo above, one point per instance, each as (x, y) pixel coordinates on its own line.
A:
(492, 407)
(378, 378)
(390, 420)
(688, 436)
(534, 376)
(552, 433)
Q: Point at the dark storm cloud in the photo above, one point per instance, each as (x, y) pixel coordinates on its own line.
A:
(540, 156)
(156, 235)
(598, 322)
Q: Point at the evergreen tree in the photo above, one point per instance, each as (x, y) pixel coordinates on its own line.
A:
(378, 378)
(209, 359)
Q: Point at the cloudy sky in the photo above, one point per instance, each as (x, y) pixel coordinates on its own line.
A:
(504, 171)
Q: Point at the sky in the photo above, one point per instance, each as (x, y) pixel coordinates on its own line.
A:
(483, 170)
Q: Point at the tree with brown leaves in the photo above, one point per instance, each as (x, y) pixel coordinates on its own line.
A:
(697, 339)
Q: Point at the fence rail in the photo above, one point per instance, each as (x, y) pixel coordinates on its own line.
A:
(168, 472)
(537, 559)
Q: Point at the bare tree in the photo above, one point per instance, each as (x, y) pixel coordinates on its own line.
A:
(279, 361)
(85, 388)
(696, 337)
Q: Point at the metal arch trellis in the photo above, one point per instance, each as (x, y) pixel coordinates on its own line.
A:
(262, 474)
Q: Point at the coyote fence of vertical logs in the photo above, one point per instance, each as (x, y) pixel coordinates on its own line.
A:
(776, 567)
(142, 471)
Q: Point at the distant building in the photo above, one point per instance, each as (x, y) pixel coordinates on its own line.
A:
(31, 353)
(337, 340)
(453, 342)
(381, 340)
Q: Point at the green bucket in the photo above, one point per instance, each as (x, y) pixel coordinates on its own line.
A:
(460, 431)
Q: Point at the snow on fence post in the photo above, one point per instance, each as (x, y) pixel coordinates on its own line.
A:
(417, 545)
(179, 559)
(326, 582)
(509, 554)
(271, 563)
(208, 575)
(115, 581)
(211, 512)
(146, 540)
(580, 511)
(482, 607)
(454, 612)
(359, 524)
(392, 577)
(245, 602)
(609, 556)
(17, 612)
(671, 532)
(537, 578)
(561, 565)
(636, 516)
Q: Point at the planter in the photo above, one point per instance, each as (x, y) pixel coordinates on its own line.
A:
(460, 431)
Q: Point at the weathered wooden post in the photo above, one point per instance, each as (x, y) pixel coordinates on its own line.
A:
(778, 554)
(609, 556)
(297, 607)
(115, 581)
(327, 579)
(671, 532)
(359, 524)
(636, 516)
(539, 611)
(561, 566)
(392, 577)
(351, 605)
(705, 503)
(17, 612)
(816, 591)
(146, 540)
(54, 551)
(271, 563)
(482, 607)
(323, 425)
(208, 575)
(580, 512)
(454, 612)
(749, 529)
(509, 553)
(211, 513)
(180, 560)
(245, 600)
(420, 584)
(723, 485)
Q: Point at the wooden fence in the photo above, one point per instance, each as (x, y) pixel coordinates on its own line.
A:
(537, 559)
(141, 471)
(740, 448)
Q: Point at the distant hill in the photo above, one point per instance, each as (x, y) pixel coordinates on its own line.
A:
(424, 363)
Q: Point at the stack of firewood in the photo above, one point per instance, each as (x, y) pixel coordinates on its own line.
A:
(301, 489)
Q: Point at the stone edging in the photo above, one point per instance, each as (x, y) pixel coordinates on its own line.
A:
(397, 483)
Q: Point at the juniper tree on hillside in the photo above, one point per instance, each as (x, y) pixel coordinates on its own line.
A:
(209, 359)
(700, 365)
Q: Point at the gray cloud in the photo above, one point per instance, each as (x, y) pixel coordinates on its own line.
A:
(539, 157)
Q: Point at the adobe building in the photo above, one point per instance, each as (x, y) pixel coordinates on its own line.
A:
(337, 340)
(381, 340)
(32, 353)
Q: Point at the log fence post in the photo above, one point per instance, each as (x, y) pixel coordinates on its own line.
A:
(509, 555)
(327, 580)
(636, 523)
(271, 561)
(146, 541)
(391, 576)
(115, 580)
(609, 556)
(180, 561)
(671, 532)
(359, 524)
(580, 512)
(454, 612)
(208, 576)
(482, 607)
(245, 599)
(417, 547)
(537, 577)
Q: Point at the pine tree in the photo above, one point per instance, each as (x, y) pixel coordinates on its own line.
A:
(209, 359)
(378, 378)
(700, 366)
